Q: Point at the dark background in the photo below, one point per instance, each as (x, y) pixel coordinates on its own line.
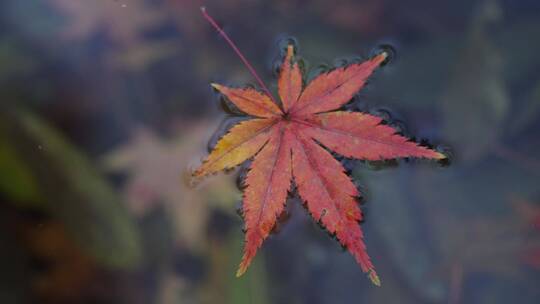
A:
(105, 106)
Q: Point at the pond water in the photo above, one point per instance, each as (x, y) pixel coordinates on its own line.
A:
(106, 107)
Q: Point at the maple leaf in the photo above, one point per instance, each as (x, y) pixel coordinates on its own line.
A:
(152, 163)
(290, 142)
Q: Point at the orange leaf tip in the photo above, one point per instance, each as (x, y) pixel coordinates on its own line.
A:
(290, 50)
(196, 176)
(381, 57)
(440, 156)
(241, 270)
(374, 278)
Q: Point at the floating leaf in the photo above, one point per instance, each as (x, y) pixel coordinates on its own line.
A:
(291, 144)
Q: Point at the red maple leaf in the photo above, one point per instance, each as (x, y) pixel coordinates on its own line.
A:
(290, 141)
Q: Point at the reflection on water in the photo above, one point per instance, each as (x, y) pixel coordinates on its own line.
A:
(105, 105)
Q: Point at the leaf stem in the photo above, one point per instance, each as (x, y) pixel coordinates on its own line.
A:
(237, 51)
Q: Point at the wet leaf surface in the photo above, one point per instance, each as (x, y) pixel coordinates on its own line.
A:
(286, 143)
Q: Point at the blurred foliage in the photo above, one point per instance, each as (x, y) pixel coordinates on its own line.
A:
(86, 204)
(72, 271)
(19, 185)
(12, 63)
(474, 123)
(156, 168)
(223, 260)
